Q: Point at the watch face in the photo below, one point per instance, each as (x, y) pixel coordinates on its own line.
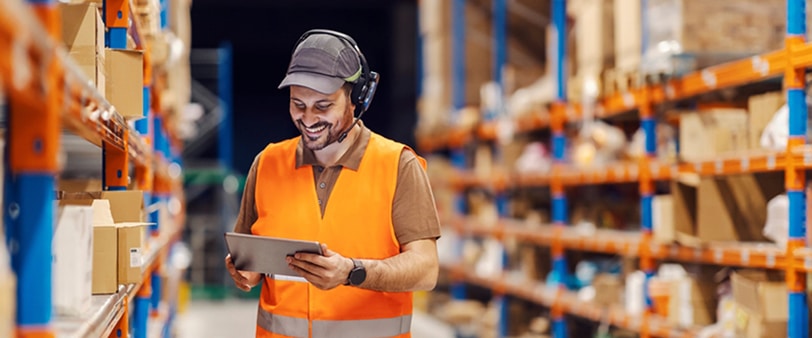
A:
(357, 276)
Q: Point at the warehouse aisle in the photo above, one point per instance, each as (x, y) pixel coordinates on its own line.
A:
(236, 318)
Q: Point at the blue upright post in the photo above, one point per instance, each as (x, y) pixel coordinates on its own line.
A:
(458, 87)
(499, 61)
(559, 202)
(798, 325)
(225, 144)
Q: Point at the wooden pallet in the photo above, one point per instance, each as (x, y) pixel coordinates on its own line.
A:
(619, 81)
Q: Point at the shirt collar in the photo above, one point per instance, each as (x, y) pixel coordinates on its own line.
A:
(350, 160)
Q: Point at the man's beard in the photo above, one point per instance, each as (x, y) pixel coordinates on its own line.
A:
(327, 136)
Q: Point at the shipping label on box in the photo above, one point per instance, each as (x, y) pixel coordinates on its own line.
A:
(72, 262)
(125, 81)
(131, 252)
(105, 249)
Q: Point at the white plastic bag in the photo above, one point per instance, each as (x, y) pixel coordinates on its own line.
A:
(776, 228)
(776, 133)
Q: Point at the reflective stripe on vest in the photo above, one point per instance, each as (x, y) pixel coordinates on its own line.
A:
(362, 328)
(359, 328)
(284, 325)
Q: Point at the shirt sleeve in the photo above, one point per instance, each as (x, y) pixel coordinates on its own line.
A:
(248, 208)
(414, 213)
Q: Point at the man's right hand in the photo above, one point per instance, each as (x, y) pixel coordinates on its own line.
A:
(245, 280)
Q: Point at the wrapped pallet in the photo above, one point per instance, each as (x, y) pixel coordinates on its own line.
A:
(683, 35)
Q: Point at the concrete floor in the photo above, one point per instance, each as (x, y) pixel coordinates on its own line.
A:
(237, 318)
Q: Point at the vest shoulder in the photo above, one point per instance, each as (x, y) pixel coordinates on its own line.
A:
(284, 145)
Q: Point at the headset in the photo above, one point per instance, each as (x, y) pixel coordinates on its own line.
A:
(364, 88)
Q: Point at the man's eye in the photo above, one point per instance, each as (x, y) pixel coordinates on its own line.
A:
(299, 106)
(323, 107)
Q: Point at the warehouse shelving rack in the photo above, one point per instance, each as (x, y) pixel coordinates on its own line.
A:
(47, 92)
(790, 63)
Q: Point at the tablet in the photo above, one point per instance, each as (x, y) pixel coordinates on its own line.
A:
(266, 254)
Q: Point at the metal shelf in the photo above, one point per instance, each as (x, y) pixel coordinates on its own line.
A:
(544, 295)
(630, 243)
(629, 172)
(736, 73)
(107, 310)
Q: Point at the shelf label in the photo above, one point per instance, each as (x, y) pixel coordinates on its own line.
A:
(670, 92)
(808, 262)
(745, 256)
(709, 78)
(771, 162)
(718, 254)
(807, 158)
(674, 172)
(719, 166)
(760, 65)
(770, 259)
(697, 254)
(628, 100)
(655, 249)
(698, 167)
(673, 251)
(745, 164)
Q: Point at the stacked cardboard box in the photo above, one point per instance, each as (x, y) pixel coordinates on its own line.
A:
(727, 208)
(704, 135)
(435, 104)
(593, 48)
(119, 236)
(708, 32)
(83, 35)
(761, 304)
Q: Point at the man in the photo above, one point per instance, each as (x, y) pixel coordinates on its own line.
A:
(366, 198)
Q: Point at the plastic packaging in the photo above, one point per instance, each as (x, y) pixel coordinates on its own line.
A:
(776, 228)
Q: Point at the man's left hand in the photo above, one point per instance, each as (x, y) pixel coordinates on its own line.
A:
(325, 272)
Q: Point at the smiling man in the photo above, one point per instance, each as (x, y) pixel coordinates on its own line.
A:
(365, 197)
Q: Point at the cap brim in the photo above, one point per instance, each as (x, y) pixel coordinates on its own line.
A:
(320, 83)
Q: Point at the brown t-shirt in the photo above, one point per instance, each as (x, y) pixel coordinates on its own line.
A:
(414, 215)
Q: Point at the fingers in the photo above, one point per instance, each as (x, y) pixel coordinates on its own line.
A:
(239, 280)
(307, 265)
(327, 252)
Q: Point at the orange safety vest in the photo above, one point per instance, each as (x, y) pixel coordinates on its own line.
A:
(357, 223)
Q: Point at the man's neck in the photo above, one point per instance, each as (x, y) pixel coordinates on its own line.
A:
(333, 152)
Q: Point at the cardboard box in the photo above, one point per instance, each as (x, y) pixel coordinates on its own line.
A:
(8, 308)
(608, 289)
(105, 249)
(125, 81)
(594, 35)
(131, 251)
(662, 214)
(734, 208)
(707, 134)
(126, 206)
(79, 185)
(684, 199)
(761, 293)
(692, 302)
(83, 34)
(73, 260)
(628, 35)
(761, 109)
(752, 325)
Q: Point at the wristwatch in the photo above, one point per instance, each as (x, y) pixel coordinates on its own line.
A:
(358, 273)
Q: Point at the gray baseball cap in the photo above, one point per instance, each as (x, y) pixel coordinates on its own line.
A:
(322, 62)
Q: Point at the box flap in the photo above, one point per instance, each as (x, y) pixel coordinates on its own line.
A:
(126, 206)
(101, 213)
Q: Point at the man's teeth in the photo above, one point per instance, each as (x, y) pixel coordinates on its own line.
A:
(315, 130)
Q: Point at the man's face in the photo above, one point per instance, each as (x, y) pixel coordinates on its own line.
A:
(320, 118)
